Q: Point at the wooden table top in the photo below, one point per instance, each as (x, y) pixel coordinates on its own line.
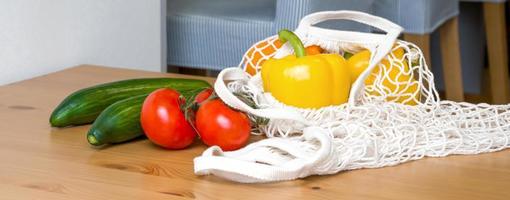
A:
(40, 162)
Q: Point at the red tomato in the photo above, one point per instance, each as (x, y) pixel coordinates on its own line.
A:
(203, 95)
(163, 121)
(220, 125)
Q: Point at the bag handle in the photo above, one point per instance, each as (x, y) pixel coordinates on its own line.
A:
(382, 49)
(308, 21)
(242, 165)
(236, 73)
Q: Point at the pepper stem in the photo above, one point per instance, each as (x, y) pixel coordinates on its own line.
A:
(299, 49)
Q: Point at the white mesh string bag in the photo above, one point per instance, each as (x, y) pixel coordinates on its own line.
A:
(393, 115)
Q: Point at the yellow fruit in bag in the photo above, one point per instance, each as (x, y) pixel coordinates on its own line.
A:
(258, 54)
(398, 83)
(306, 81)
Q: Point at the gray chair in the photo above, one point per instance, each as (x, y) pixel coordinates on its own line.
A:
(214, 34)
(420, 18)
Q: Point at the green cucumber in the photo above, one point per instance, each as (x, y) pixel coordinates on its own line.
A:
(119, 122)
(83, 106)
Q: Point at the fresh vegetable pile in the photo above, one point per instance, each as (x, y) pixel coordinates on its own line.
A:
(172, 112)
(314, 79)
(393, 113)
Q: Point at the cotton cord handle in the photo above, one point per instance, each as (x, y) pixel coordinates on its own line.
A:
(235, 73)
(384, 47)
(238, 165)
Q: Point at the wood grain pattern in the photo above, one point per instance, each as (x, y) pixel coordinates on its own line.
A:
(40, 162)
(495, 28)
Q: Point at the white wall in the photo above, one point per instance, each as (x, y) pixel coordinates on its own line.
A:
(42, 36)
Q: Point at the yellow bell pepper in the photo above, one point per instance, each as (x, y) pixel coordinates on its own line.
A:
(396, 82)
(303, 81)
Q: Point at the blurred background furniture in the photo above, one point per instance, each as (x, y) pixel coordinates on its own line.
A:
(212, 35)
(484, 54)
(420, 18)
(495, 27)
(205, 36)
(472, 51)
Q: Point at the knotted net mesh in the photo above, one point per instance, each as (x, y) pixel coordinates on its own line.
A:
(399, 116)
